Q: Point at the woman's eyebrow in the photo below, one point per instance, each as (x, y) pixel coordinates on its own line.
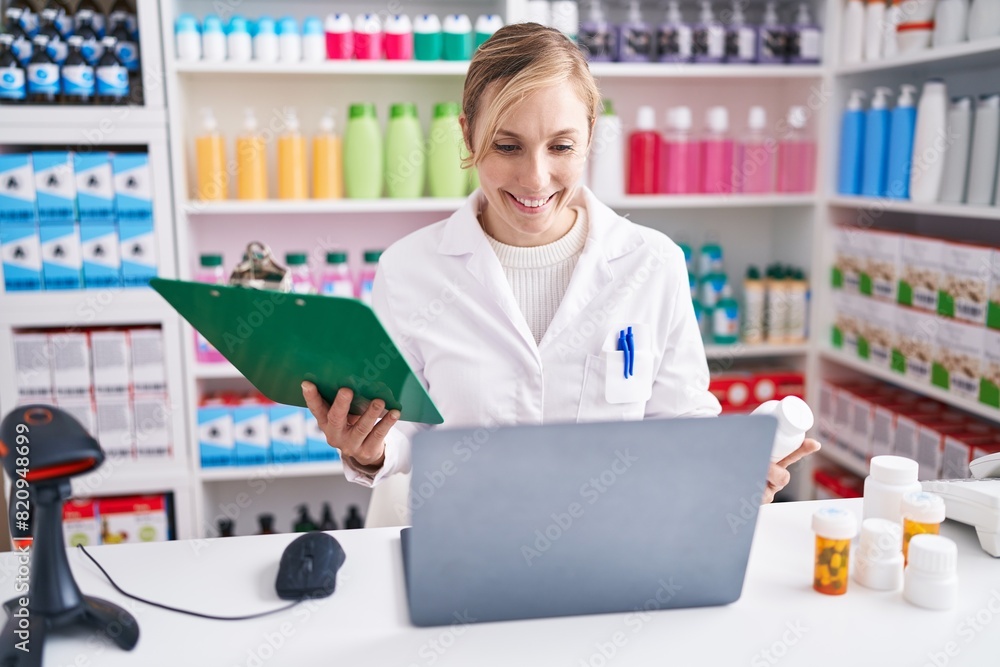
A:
(515, 135)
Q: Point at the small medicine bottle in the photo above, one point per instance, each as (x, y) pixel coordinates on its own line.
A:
(834, 530)
(922, 514)
(890, 478)
(794, 419)
(931, 579)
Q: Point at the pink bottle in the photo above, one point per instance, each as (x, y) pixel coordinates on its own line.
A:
(796, 155)
(644, 162)
(367, 277)
(398, 38)
(755, 158)
(681, 153)
(367, 37)
(339, 37)
(336, 277)
(209, 271)
(717, 154)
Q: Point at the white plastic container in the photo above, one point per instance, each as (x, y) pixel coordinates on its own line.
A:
(890, 478)
(289, 41)
(931, 580)
(874, 31)
(187, 38)
(313, 40)
(265, 42)
(607, 156)
(927, 172)
(878, 560)
(915, 32)
(852, 46)
(213, 40)
(794, 419)
(984, 20)
(985, 142)
(239, 45)
(890, 37)
(951, 19)
(956, 165)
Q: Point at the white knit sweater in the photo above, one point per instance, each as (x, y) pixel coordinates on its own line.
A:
(540, 275)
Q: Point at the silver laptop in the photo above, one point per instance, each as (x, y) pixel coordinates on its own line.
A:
(564, 519)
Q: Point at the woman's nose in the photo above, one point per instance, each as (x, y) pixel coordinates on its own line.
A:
(535, 173)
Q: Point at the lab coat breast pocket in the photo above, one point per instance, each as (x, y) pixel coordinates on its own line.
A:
(607, 395)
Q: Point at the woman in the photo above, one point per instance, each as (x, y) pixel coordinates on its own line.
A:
(511, 310)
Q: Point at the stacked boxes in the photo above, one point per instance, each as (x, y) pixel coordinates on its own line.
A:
(934, 318)
(866, 419)
(113, 381)
(117, 520)
(76, 220)
(236, 430)
(742, 391)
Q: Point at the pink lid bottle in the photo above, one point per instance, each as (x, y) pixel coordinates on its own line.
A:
(398, 38)
(681, 154)
(367, 37)
(644, 161)
(717, 154)
(796, 155)
(754, 172)
(339, 37)
(210, 271)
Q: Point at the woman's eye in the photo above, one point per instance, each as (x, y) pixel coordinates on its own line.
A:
(563, 148)
(506, 148)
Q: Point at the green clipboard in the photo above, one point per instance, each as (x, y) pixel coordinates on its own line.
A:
(278, 339)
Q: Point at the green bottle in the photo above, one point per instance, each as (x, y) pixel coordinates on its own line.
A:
(458, 39)
(405, 158)
(427, 37)
(363, 156)
(445, 146)
(486, 25)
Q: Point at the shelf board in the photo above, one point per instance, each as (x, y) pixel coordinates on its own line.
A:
(741, 351)
(928, 390)
(131, 478)
(634, 202)
(903, 206)
(222, 370)
(965, 55)
(33, 121)
(323, 206)
(87, 307)
(459, 68)
(843, 459)
(272, 471)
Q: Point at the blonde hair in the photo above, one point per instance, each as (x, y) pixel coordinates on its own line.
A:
(521, 58)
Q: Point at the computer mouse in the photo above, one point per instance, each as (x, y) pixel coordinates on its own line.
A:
(309, 566)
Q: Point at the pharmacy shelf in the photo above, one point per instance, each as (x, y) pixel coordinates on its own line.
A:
(323, 206)
(844, 459)
(272, 471)
(741, 351)
(879, 205)
(83, 308)
(637, 202)
(116, 479)
(91, 122)
(928, 390)
(400, 68)
(967, 55)
(222, 370)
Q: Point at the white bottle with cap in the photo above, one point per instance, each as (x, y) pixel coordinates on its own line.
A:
(890, 30)
(187, 38)
(956, 165)
(928, 159)
(852, 46)
(951, 18)
(985, 142)
(878, 560)
(213, 39)
(794, 420)
(289, 41)
(889, 479)
(265, 41)
(931, 579)
(874, 32)
(565, 17)
(313, 40)
(607, 156)
(239, 44)
(984, 20)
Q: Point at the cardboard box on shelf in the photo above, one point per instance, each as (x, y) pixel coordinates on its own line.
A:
(288, 434)
(920, 281)
(833, 484)
(138, 252)
(21, 250)
(55, 186)
(883, 260)
(849, 258)
(18, 201)
(133, 187)
(115, 431)
(989, 384)
(33, 366)
(100, 250)
(965, 282)
(149, 372)
(62, 258)
(252, 433)
(916, 338)
(95, 187)
(317, 448)
(734, 391)
(958, 357)
(71, 377)
(82, 410)
(879, 334)
(134, 519)
(80, 523)
(151, 417)
(216, 439)
(111, 364)
(930, 446)
(959, 450)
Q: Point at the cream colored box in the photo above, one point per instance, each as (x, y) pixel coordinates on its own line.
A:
(916, 338)
(958, 358)
(920, 278)
(849, 259)
(879, 334)
(846, 329)
(989, 386)
(883, 260)
(965, 282)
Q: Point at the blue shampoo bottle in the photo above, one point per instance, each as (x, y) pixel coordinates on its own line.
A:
(873, 180)
(902, 123)
(852, 141)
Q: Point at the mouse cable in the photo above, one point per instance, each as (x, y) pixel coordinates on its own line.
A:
(182, 611)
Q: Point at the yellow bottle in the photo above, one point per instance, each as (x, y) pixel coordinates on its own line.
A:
(210, 155)
(328, 164)
(292, 160)
(251, 161)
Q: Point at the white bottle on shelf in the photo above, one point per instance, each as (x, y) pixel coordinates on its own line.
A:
(984, 20)
(985, 141)
(890, 40)
(956, 166)
(607, 156)
(213, 40)
(927, 172)
(874, 30)
(187, 38)
(951, 19)
(289, 41)
(239, 44)
(265, 42)
(852, 33)
(313, 40)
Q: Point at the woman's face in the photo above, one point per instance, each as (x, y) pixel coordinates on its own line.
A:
(530, 172)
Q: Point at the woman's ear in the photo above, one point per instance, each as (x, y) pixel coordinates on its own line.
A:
(465, 133)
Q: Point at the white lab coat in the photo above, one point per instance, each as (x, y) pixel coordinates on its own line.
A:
(446, 302)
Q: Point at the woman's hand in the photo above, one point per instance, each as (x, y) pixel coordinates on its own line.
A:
(778, 475)
(359, 437)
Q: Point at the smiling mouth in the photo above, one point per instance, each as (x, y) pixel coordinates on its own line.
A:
(532, 203)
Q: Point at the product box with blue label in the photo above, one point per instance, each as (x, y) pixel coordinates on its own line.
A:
(215, 435)
(133, 187)
(288, 434)
(138, 252)
(317, 449)
(95, 187)
(22, 256)
(55, 186)
(252, 434)
(101, 254)
(17, 189)
(62, 264)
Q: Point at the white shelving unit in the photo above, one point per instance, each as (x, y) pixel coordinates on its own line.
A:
(882, 205)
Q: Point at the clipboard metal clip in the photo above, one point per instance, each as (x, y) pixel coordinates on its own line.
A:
(259, 270)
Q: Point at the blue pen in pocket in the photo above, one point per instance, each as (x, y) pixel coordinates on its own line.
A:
(623, 347)
(631, 352)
